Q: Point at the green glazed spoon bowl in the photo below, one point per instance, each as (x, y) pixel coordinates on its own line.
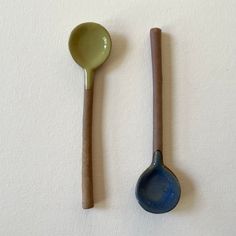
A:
(90, 46)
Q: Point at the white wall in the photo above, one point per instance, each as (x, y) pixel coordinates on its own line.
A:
(41, 98)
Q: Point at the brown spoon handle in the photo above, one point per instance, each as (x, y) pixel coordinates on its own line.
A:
(87, 177)
(155, 35)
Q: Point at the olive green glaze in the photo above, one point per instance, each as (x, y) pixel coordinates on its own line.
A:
(90, 46)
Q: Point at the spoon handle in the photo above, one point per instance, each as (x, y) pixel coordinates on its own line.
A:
(155, 36)
(87, 178)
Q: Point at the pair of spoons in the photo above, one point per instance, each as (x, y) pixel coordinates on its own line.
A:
(158, 189)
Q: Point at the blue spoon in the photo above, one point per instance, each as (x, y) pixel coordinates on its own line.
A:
(158, 189)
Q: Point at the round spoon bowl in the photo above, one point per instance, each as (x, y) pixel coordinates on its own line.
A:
(90, 45)
(158, 189)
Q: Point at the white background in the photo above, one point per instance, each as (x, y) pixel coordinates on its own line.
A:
(41, 104)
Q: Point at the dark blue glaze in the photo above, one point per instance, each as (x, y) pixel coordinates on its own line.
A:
(158, 189)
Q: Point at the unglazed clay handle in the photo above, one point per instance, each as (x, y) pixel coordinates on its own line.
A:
(87, 177)
(155, 35)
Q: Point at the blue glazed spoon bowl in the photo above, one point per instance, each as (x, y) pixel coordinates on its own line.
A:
(158, 189)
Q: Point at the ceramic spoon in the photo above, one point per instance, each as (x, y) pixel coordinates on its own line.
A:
(90, 46)
(158, 189)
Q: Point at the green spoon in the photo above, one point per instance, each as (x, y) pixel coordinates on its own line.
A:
(90, 46)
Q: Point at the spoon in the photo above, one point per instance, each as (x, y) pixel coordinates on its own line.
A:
(90, 46)
(158, 189)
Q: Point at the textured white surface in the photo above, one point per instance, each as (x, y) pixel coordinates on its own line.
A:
(41, 97)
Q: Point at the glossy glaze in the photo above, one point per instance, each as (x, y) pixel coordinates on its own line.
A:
(90, 46)
(158, 189)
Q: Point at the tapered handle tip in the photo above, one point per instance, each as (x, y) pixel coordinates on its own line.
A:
(155, 30)
(87, 205)
(155, 34)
